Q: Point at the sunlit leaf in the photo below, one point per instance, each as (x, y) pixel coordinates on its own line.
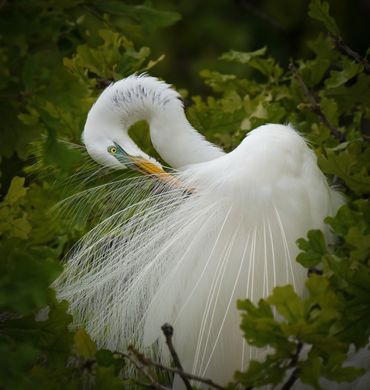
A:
(84, 346)
(320, 11)
(314, 248)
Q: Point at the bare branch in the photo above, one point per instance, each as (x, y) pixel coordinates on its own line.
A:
(143, 369)
(314, 104)
(295, 373)
(167, 330)
(290, 382)
(345, 49)
(147, 361)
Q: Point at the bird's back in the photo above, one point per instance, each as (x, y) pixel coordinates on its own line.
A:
(237, 240)
(185, 257)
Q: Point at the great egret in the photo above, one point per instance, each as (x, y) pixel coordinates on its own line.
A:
(183, 248)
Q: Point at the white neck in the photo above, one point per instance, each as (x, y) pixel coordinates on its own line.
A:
(145, 98)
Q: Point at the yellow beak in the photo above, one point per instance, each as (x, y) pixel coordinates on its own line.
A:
(148, 168)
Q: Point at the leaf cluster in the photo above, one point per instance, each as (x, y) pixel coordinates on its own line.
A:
(56, 57)
(309, 338)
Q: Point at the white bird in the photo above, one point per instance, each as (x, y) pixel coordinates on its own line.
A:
(182, 248)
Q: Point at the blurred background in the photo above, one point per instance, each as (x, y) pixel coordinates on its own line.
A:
(206, 30)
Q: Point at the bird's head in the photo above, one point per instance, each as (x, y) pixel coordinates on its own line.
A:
(108, 142)
(107, 125)
(118, 151)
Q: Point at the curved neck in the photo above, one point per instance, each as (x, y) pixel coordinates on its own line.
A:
(145, 98)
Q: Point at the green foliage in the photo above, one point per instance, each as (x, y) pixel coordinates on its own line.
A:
(314, 249)
(311, 321)
(351, 164)
(149, 18)
(114, 59)
(335, 313)
(320, 11)
(49, 80)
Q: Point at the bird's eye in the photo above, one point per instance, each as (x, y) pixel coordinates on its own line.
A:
(112, 150)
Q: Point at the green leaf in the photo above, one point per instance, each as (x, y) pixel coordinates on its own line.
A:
(24, 277)
(352, 224)
(347, 97)
(338, 78)
(261, 373)
(310, 370)
(105, 357)
(322, 309)
(312, 72)
(330, 109)
(150, 17)
(314, 248)
(210, 118)
(287, 303)
(350, 165)
(243, 57)
(14, 221)
(323, 47)
(15, 359)
(83, 344)
(334, 369)
(114, 59)
(106, 378)
(16, 190)
(320, 11)
(259, 326)
(17, 226)
(267, 66)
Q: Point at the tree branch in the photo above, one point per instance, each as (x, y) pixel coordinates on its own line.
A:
(290, 382)
(295, 373)
(314, 104)
(147, 361)
(143, 369)
(345, 49)
(167, 330)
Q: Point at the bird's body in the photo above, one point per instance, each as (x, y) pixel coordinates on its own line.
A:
(185, 253)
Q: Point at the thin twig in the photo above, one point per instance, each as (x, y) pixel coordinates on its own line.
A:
(145, 360)
(167, 330)
(345, 49)
(295, 373)
(290, 382)
(143, 369)
(314, 104)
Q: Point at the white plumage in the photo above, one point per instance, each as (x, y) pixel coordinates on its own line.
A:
(184, 254)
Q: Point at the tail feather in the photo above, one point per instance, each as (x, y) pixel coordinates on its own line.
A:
(161, 255)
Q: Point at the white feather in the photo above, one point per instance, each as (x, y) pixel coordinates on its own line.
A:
(168, 256)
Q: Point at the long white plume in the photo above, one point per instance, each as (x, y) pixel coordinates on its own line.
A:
(164, 253)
